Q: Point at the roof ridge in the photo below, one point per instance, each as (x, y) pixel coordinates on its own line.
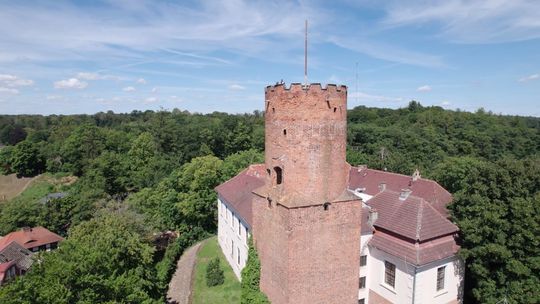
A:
(419, 217)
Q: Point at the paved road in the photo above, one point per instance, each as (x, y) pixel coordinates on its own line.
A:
(180, 285)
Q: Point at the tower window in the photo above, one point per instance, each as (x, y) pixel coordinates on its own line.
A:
(279, 175)
(335, 109)
(284, 131)
(273, 110)
(326, 206)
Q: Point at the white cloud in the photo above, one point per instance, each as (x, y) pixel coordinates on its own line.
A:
(424, 88)
(150, 100)
(54, 97)
(471, 21)
(88, 76)
(128, 89)
(529, 78)
(95, 76)
(154, 90)
(141, 81)
(14, 81)
(445, 103)
(236, 87)
(9, 90)
(368, 97)
(388, 52)
(72, 83)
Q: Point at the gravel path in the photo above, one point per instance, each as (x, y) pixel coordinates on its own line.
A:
(180, 285)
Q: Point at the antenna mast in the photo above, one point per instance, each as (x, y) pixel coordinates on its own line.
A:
(305, 58)
(357, 83)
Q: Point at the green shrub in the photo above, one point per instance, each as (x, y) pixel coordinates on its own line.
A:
(214, 273)
(251, 276)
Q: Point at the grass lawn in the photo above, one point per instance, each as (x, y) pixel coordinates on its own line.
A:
(229, 292)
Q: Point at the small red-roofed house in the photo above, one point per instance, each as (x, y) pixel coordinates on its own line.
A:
(34, 239)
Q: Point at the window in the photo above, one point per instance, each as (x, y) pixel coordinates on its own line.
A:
(238, 257)
(232, 248)
(363, 260)
(279, 175)
(389, 273)
(440, 278)
(239, 228)
(362, 284)
(362, 301)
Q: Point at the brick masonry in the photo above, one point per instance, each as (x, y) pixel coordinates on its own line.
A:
(308, 249)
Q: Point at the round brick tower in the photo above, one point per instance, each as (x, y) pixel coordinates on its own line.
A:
(306, 224)
(306, 131)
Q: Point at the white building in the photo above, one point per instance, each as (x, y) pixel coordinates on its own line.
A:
(408, 249)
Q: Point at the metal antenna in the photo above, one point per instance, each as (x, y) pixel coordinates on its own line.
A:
(357, 83)
(305, 58)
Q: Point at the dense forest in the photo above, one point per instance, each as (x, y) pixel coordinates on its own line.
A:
(146, 172)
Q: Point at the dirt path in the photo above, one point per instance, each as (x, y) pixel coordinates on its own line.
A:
(11, 186)
(180, 285)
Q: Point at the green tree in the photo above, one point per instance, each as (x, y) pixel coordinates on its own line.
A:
(6, 154)
(26, 159)
(104, 260)
(235, 163)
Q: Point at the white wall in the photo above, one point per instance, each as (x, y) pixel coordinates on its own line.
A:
(425, 286)
(365, 270)
(426, 282)
(232, 237)
(402, 291)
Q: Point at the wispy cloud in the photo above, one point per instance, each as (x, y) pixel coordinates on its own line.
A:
(150, 100)
(361, 96)
(95, 76)
(236, 87)
(9, 90)
(529, 78)
(54, 30)
(71, 83)
(141, 81)
(390, 52)
(128, 89)
(471, 21)
(14, 81)
(424, 88)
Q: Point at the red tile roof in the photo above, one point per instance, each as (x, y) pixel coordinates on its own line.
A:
(31, 237)
(412, 218)
(415, 253)
(429, 190)
(237, 192)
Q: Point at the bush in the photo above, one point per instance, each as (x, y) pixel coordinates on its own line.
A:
(214, 273)
(251, 276)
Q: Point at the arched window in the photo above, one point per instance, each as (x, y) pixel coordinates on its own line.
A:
(279, 175)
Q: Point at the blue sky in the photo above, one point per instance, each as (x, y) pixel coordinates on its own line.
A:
(64, 57)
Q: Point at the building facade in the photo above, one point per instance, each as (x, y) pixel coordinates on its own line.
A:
(327, 232)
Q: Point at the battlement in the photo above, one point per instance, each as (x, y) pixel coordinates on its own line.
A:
(295, 86)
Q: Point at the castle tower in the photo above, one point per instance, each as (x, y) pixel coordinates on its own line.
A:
(306, 223)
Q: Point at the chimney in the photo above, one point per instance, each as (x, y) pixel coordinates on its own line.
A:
(373, 216)
(382, 186)
(416, 175)
(404, 194)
